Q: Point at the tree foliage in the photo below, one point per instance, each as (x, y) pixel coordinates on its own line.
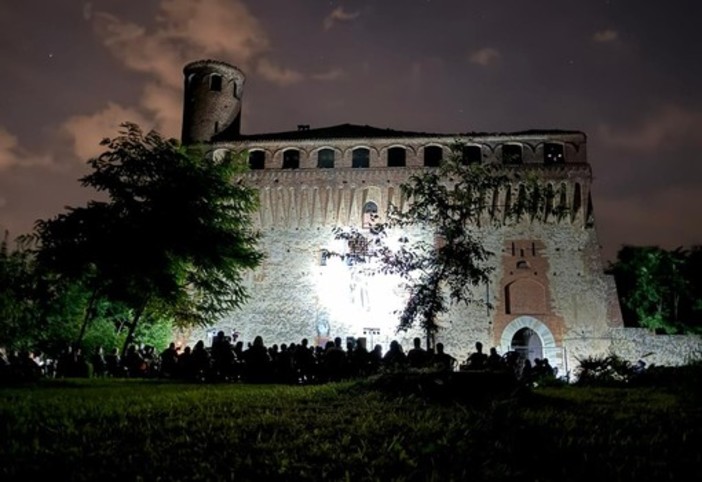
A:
(18, 314)
(660, 289)
(172, 239)
(43, 312)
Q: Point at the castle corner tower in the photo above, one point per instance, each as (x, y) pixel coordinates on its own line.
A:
(212, 102)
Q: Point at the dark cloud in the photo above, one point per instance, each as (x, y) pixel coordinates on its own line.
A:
(624, 71)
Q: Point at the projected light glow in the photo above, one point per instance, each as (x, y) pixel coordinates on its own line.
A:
(354, 301)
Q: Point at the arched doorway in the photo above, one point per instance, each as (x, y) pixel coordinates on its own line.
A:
(532, 338)
(527, 344)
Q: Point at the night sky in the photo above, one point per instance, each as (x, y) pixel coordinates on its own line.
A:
(626, 72)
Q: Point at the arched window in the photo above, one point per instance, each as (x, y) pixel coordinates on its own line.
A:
(370, 214)
(325, 158)
(257, 160)
(397, 157)
(433, 156)
(553, 153)
(291, 159)
(360, 157)
(215, 82)
(471, 155)
(511, 154)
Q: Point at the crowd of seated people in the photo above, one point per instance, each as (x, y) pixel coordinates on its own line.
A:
(229, 360)
(226, 360)
(522, 368)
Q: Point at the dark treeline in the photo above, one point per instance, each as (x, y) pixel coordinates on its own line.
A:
(660, 289)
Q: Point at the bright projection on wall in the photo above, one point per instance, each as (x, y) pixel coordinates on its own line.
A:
(353, 302)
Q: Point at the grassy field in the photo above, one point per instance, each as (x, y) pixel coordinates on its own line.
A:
(148, 430)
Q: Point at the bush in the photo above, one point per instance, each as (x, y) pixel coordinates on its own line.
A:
(601, 370)
(611, 370)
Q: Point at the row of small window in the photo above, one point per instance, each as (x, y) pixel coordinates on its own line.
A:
(397, 156)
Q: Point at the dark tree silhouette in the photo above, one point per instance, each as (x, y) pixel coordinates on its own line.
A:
(173, 237)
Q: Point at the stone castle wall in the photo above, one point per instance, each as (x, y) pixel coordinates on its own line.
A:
(292, 293)
(547, 276)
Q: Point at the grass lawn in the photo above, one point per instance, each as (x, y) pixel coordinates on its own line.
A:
(148, 430)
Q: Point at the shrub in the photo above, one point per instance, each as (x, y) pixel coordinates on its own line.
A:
(607, 370)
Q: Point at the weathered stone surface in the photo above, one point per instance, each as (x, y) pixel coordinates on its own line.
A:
(548, 279)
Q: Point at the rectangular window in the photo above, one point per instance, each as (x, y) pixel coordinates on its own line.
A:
(432, 156)
(361, 158)
(257, 159)
(325, 158)
(397, 157)
(511, 154)
(291, 159)
(553, 153)
(471, 155)
(216, 83)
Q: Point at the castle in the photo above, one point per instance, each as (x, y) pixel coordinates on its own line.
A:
(548, 294)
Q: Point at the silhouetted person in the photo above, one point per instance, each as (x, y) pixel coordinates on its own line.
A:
(134, 363)
(548, 370)
(494, 360)
(304, 361)
(527, 375)
(113, 364)
(64, 364)
(258, 362)
(239, 350)
(334, 361)
(185, 363)
(542, 369)
(395, 358)
(169, 361)
(442, 360)
(513, 362)
(477, 360)
(360, 361)
(148, 354)
(285, 365)
(223, 357)
(417, 357)
(201, 361)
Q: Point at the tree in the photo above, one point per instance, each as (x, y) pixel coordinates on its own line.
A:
(693, 274)
(173, 237)
(452, 203)
(659, 289)
(18, 310)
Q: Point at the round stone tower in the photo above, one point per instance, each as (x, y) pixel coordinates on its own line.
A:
(212, 104)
